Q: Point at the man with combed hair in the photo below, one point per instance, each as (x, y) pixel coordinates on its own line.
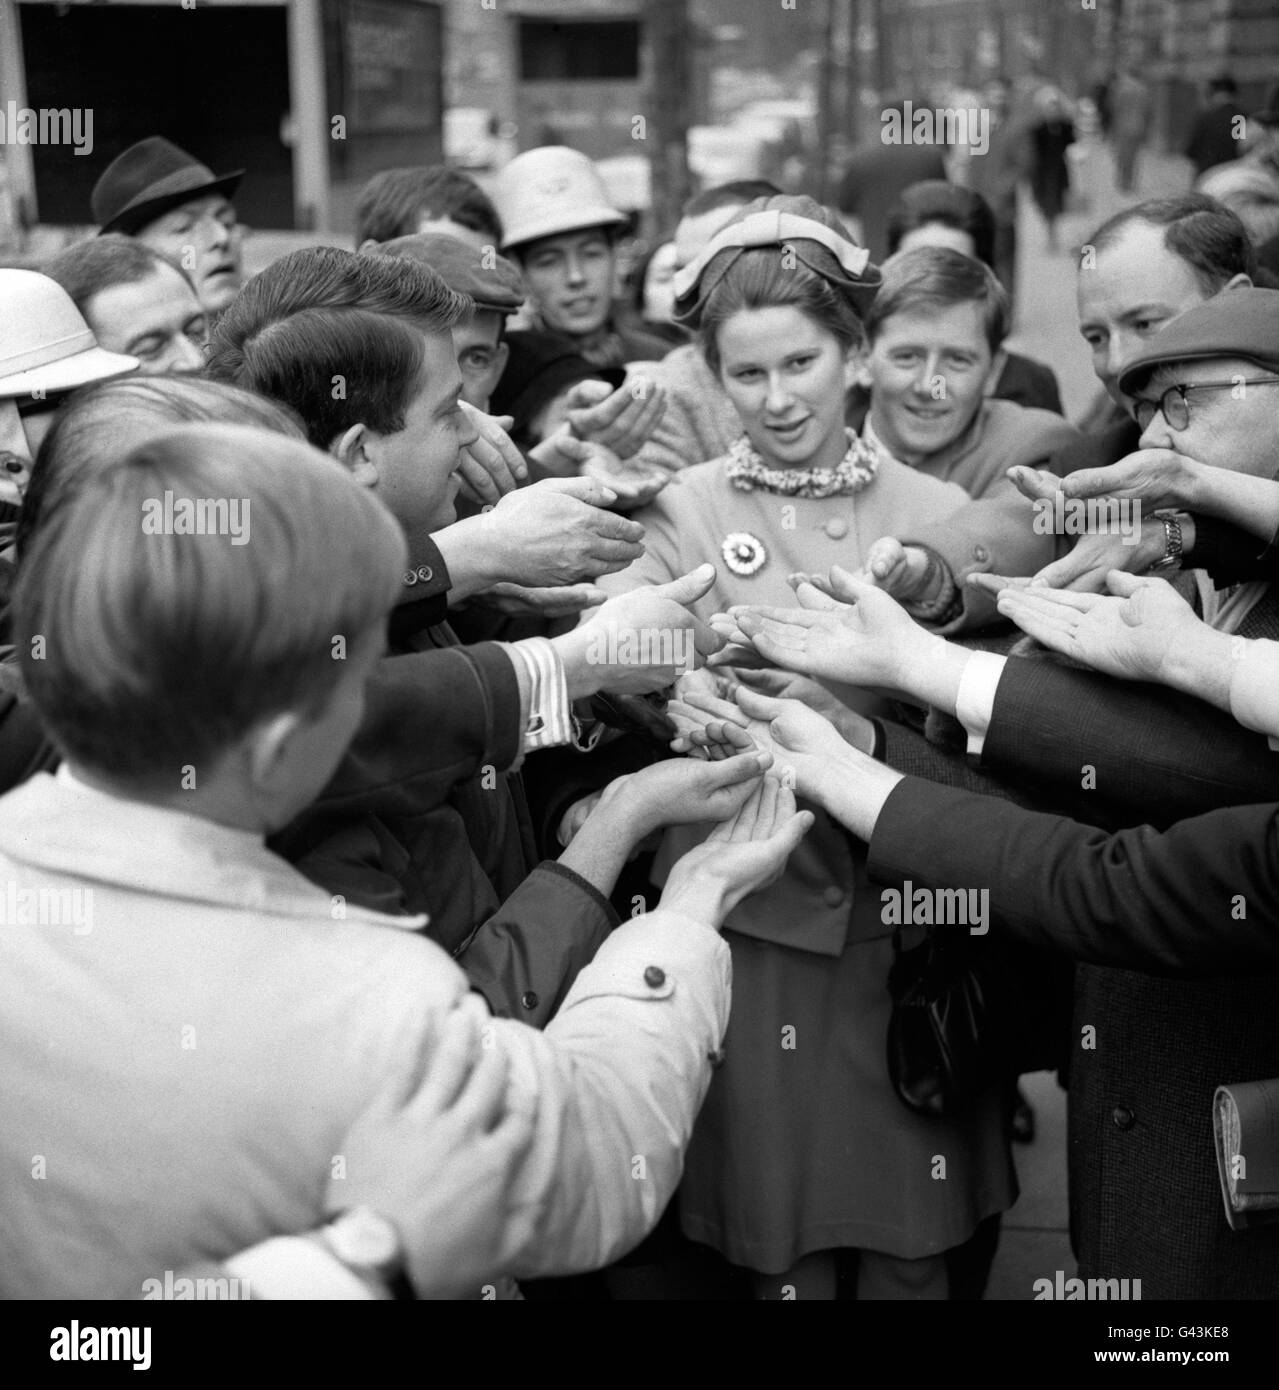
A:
(136, 300)
(221, 1029)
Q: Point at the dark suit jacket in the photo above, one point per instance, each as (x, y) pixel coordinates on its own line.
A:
(423, 816)
(1145, 1199)
(1149, 1051)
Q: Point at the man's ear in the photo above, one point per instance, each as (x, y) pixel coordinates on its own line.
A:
(1242, 281)
(269, 749)
(356, 450)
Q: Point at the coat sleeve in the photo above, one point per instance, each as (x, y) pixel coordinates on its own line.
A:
(616, 1080)
(1197, 899)
(525, 957)
(1119, 753)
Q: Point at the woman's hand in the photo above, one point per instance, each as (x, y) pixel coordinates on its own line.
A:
(900, 570)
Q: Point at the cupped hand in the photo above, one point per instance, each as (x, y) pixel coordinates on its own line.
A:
(741, 855)
(621, 420)
(1158, 478)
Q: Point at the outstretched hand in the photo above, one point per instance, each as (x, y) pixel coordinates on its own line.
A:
(1127, 633)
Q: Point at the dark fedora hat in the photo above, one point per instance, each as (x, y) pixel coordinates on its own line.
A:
(148, 179)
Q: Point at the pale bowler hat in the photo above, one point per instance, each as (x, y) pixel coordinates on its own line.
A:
(45, 344)
(550, 190)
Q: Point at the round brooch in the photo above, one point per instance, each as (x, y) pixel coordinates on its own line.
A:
(743, 553)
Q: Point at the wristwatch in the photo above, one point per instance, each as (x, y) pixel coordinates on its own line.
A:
(1172, 545)
(369, 1246)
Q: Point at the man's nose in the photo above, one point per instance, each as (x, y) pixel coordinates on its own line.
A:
(927, 374)
(184, 356)
(219, 233)
(575, 270)
(1157, 434)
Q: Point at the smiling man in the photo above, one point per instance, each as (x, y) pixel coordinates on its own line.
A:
(561, 227)
(165, 197)
(934, 329)
(136, 300)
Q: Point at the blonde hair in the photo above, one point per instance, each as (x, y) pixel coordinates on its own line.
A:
(149, 652)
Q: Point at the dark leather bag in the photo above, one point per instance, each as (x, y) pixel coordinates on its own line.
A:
(942, 1044)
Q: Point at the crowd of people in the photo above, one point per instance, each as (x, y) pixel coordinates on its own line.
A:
(506, 779)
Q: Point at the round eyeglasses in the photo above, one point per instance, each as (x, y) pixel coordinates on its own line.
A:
(1175, 407)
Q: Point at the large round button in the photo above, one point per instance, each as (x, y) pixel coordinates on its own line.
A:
(529, 999)
(837, 528)
(1123, 1117)
(981, 554)
(832, 896)
(655, 977)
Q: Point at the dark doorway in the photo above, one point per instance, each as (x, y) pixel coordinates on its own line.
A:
(215, 81)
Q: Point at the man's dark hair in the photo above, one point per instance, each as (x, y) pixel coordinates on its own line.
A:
(393, 202)
(89, 267)
(327, 277)
(725, 195)
(935, 200)
(336, 368)
(1204, 233)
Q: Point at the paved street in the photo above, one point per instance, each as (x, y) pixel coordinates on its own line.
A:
(1034, 1243)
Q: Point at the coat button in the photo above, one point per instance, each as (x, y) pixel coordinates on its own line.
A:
(1123, 1117)
(425, 573)
(981, 554)
(837, 528)
(655, 977)
(832, 896)
(529, 999)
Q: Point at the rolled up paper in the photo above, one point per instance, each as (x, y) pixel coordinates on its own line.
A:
(1245, 1124)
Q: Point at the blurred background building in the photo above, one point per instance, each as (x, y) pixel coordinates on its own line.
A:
(312, 96)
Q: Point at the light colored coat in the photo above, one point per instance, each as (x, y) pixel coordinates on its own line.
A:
(179, 1077)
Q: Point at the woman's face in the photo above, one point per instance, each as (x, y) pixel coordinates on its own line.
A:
(785, 374)
(928, 370)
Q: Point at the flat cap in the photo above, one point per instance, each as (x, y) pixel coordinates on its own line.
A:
(491, 280)
(1235, 323)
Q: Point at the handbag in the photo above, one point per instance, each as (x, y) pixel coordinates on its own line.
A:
(942, 1048)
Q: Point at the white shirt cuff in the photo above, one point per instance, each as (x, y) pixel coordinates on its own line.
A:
(548, 720)
(293, 1267)
(975, 699)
